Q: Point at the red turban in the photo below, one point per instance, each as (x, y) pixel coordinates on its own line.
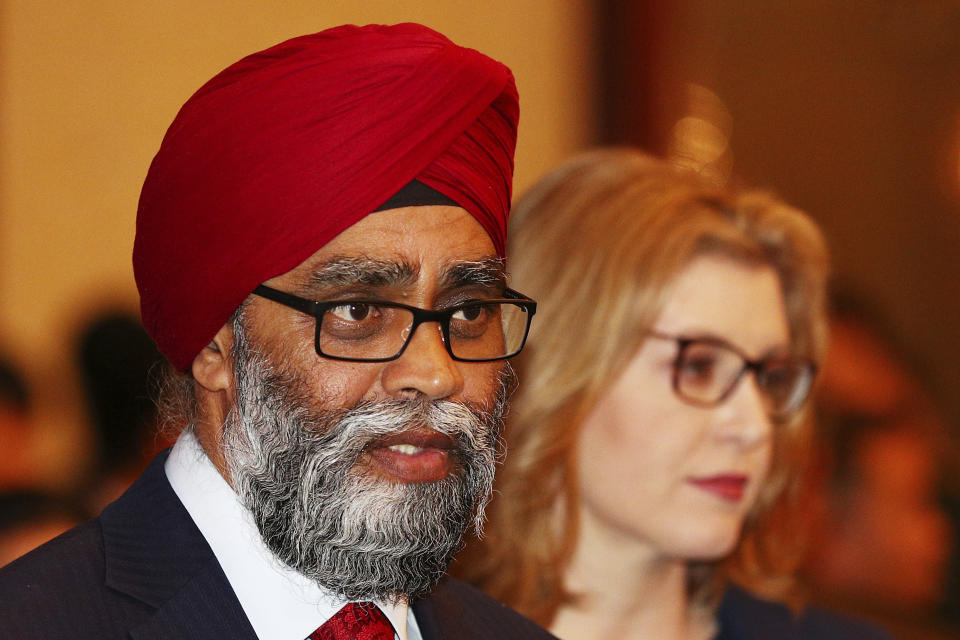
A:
(283, 150)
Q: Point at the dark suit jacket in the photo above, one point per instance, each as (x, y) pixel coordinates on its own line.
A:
(746, 617)
(143, 570)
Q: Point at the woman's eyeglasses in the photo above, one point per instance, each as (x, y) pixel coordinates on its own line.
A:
(706, 371)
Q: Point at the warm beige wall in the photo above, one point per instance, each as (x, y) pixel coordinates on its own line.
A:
(87, 90)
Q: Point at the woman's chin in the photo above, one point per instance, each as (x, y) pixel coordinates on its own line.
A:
(704, 544)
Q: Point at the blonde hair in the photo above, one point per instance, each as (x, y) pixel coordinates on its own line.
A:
(604, 235)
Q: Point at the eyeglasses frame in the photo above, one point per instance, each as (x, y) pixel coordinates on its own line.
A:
(420, 316)
(755, 366)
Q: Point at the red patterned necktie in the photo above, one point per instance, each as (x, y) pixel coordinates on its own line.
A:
(356, 621)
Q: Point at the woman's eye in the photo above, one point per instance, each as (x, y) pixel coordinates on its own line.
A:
(700, 368)
(354, 312)
(779, 377)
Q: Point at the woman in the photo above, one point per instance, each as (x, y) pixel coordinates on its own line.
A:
(661, 416)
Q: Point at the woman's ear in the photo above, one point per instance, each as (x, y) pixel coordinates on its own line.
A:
(212, 367)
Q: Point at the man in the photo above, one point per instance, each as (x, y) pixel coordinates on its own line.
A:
(319, 248)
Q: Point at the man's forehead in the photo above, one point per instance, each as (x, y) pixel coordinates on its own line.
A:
(399, 244)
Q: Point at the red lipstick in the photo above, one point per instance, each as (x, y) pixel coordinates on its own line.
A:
(727, 486)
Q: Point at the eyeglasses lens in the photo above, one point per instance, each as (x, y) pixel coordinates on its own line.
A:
(785, 384)
(706, 372)
(360, 330)
(485, 331)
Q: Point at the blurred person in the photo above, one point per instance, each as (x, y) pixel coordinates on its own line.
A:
(30, 517)
(116, 359)
(881, 540)
(656, 434)
(319, 255)
(16, 468)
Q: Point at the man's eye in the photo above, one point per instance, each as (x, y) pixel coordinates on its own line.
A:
(469, 313)
(353, 312)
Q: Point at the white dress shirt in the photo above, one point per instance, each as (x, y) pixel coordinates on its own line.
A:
(280, 603)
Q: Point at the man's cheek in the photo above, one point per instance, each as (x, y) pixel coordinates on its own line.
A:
(482, 383)
(336, 385)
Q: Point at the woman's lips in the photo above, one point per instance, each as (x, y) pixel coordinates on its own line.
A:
(727, 486)
(419, 455)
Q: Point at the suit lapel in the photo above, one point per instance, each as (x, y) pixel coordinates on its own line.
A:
(155, 553)
(432, 626)
(201, 610)
(449, 614)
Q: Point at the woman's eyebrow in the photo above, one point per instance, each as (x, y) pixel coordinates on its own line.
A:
(345, 271)
(707, 335)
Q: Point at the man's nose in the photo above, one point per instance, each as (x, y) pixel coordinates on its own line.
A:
(425, 368)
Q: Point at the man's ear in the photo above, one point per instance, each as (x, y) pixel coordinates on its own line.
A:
(212, 368)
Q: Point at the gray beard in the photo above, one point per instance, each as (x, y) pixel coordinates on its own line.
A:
(356, 535)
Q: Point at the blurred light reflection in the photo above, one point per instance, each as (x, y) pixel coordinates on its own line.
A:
(700, 139)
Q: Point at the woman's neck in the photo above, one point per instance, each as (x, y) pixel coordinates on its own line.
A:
(626, 589)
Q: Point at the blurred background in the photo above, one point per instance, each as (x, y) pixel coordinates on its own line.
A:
(849, 110)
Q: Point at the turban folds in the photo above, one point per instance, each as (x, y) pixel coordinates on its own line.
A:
(283, 150)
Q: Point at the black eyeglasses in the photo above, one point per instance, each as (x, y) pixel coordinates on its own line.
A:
(379, 331)
(707, 370)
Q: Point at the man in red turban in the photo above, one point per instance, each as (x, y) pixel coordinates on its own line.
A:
(319, 254)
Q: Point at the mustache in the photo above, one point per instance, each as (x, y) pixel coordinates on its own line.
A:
(336, 439)
(328, 449)
(367, 422)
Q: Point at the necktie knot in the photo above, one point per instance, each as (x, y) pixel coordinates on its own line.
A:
(356, 621)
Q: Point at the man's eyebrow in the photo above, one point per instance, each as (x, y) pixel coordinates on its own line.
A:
(489, 272)
(343, 271)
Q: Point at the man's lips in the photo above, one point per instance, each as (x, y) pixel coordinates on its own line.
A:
(418, 455)
(727, 486)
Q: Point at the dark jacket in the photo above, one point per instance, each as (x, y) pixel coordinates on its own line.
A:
(745, 617)
(143, 570)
